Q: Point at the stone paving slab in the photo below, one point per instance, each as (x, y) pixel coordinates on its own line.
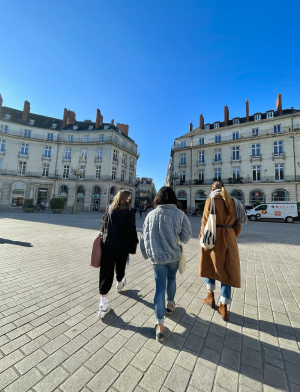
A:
(52, 340)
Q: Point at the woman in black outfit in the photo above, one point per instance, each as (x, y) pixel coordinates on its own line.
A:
(119, 239)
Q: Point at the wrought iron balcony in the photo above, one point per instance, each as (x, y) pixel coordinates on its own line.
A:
(24, 155)
(278, 155)
(46, 157)
(98, 159)
(257, 157)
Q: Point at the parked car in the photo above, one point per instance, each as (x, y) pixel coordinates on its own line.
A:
(287, 211)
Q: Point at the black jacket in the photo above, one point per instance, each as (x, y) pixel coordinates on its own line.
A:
(121, 233)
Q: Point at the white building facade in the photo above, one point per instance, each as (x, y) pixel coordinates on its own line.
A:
(38, 155)
(257, 158)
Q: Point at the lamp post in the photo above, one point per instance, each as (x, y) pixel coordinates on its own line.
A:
(76, 172)
(174, 176)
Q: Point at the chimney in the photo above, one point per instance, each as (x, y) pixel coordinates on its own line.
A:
(279, 104)
(191, 127)
(71, 117)
(26, 111)
(201, 126)
(123, 128)
(247, 110)
(1, 101)
(226, 115)
(65, 118)
(99, 119)
(112, 122)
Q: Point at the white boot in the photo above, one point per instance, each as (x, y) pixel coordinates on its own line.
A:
(103, 308)
(120, 285)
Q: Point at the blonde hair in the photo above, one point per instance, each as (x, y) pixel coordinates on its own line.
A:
(120, 200)
(225, 196)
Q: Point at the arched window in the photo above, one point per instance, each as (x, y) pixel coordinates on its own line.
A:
(80, 190)
(239, 195)
(96, 190)
(113, 191)
(181, 195)
(201, 195)
(257, 196)
(63, 190)
(280, 195)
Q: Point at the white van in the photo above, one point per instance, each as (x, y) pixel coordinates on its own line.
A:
(286, 210)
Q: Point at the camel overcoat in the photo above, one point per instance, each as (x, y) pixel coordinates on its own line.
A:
(221, 263)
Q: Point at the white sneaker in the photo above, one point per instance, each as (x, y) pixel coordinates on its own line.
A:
(120, 288)
(103, 310)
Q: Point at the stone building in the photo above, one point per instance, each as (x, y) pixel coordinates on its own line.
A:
(257, 157)
(38, 154)
(145, 191)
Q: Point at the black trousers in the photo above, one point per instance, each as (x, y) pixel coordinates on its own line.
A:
(107, 268)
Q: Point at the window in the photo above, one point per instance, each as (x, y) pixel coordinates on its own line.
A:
(182, 159)
(255, 132)
(256, 196)
(80, 190)
(75, 127)
(24, 149)
(256, 173)
(50, 136)
(98, 172)
(201, 141)
(66, 171)
(82, 173)
(5, 128)
(201, 175)
(2, 145)
(86, 138)
(235, 135)
(114, 172)
(116, 139)
(91, 127)
(257, 117)
(217, 138)
(99, 154)
(280, 195)
(235, 153)
(183, 144)
(235, 173)
(130, 178)
(115, 156)
(207, 127)
(279, 172)
(22, 168)
(47, 152)
(255, 150)
(31, 122)
(217, 154)
(101, 138)
(7, 117)
(236, 121)
(182, 175)
(54, 126)
(270, 114)
(131, 163)
(67, 154)
(84, 154)
(45, 170)
(106, 126)
(124, 144)
(276, 128)
(201, 158)
(27, 133)
(217, 125)
(124, 160)
(218, 174)
(123, 176)
(278, 148)
(70, 138)
(239, 195)
(131, 148)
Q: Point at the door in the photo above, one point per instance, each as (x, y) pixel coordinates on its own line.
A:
(261, 211)
(42, 195)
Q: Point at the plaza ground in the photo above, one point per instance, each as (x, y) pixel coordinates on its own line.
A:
(52, 340)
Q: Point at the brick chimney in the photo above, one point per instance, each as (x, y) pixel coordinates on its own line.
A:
(123, 128)
(279, 104)
(26, 111)
(65, 118)
(191, 126)
(71, 117)
(99, 119)
(1, 101)
(226, 115)
(247, 110)
(112, 122)
(201, 126)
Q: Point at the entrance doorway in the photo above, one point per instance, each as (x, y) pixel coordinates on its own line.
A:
(200, 197)
(42, 195)
(17, 198)
(63, 194)
(95, 198)
(182, 198)
(80, 197)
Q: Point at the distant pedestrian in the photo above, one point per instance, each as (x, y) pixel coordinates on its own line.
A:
(163, 227)
(141, 211)
(119, 239)
(222, 263)
(145, 210)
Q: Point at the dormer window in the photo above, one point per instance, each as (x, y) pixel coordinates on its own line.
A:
(106, 126)
(236, 121)
(216, 125)
(75, 127)
(207, 127)
(257, 117)
(7, 117)
(31, 122)
(54, 126)
(91, 127)
(270, 114)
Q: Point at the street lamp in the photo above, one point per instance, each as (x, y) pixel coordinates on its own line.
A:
(174, 176)
(76, 172)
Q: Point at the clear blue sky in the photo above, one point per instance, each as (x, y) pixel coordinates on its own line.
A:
(155, 65)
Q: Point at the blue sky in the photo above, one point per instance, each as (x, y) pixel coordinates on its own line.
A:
(155, 65)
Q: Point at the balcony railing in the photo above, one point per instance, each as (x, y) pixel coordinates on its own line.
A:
(23, 155)
(46, 157)
(97, 159)
(2, 152)
(216, 161)
(82, 159)
(66, 159)
(257, 157)
(115, 161)
(200, 162)
(278, 155)
(236, 160)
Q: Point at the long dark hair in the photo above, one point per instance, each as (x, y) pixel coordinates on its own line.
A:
(165, 195)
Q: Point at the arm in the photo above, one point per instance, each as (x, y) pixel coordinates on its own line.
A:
(132, 228)
(237, 229)
(142, 243)
(205, 216)
(186, 230)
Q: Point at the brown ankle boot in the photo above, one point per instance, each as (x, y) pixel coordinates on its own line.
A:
(210, 299)
(222, 309)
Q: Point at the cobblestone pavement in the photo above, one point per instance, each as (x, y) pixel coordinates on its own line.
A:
(51, 338)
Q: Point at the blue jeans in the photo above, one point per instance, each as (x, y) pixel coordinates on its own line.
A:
(225, 291)
(164, 273)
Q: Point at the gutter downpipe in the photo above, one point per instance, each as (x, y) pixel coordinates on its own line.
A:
(191, 176)
(56, 162)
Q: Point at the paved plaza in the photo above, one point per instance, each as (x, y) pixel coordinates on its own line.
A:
(52, 340)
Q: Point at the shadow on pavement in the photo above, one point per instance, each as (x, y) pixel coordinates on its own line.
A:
(19, 243)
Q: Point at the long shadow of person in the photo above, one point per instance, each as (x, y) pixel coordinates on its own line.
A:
(19, 243)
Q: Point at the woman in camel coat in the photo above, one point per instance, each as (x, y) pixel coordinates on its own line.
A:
(221, 263)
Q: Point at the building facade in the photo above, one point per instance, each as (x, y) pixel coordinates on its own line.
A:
(145, 191)
(39, 153)
(257, 157)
